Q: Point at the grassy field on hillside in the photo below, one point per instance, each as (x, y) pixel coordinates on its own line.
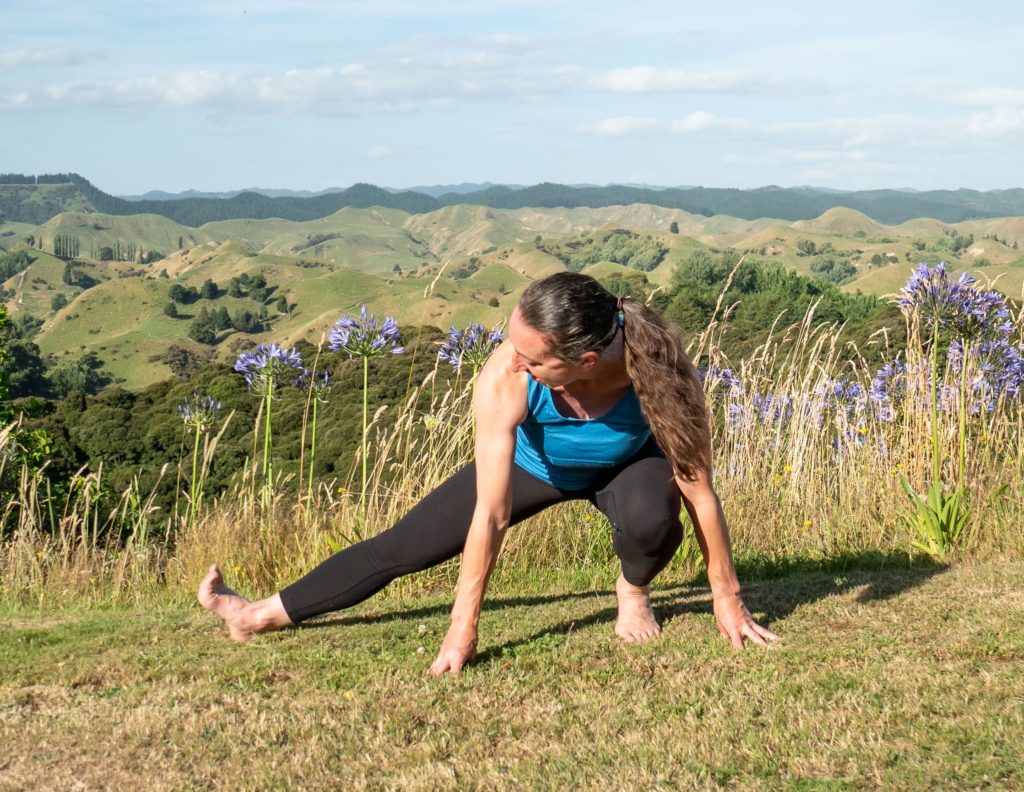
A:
(888, 676)
(440, 268)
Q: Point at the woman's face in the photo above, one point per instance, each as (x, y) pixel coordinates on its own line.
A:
(533, 355)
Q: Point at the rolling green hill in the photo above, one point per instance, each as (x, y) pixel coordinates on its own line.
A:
(453, 265)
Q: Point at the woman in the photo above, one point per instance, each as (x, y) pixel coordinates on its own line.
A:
(591, 397)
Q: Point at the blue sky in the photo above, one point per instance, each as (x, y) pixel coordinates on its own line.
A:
(312, 94)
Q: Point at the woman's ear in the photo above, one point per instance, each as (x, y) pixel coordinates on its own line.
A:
(589, 359)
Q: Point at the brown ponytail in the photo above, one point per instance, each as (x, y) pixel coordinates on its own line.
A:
(579, 315)
(666, 384)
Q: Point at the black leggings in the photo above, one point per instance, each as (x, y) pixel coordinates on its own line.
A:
(639, 498)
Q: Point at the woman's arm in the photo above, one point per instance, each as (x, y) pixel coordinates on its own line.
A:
(499, 406)
(705, 510)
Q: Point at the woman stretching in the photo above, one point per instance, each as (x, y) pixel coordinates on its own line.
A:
(590, 397)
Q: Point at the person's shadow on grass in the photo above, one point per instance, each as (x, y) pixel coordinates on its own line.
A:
(771, 591)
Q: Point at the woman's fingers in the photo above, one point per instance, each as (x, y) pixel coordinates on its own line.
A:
(750, 632)
(764, 632)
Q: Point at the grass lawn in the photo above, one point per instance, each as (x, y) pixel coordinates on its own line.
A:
(889, 678)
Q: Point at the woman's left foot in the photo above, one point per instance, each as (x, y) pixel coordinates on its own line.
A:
(636, 622)
(232, 608)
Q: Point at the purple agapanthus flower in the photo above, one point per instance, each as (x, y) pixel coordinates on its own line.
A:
(199, 412)
(321, 386)
(364, 336)
(888, 389)
(998, 371)
(716, 377)
(267, 367)
(469, 347)
(932, 294)
(773, 407)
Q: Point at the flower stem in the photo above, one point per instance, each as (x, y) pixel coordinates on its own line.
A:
(962, 450)
(366, 378)
(193, 483)
(312, 454)
(268, 473)
(936, 459)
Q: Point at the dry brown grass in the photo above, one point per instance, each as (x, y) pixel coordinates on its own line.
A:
(822, 483)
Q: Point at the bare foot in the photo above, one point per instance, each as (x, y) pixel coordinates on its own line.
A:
(243, 617)
(636, 622)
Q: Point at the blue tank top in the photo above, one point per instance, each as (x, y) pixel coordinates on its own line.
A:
(568, 453)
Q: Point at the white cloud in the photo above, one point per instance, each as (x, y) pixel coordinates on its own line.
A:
(1001, 121)
(701, 121)
(827, 155)
(990, 97)
(379, 152)
(18, 58)
(398, 86)
(621, 125)
(650, 79)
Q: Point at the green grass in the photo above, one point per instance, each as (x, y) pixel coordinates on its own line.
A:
(899, 677)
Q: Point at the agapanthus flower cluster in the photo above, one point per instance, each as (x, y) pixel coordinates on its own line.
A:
(999, 371)
(888, 389)
(968, 312)
(773, 407)
(469, 347)
(843, 395)
(717, 378)
(364, 336)
(199, 412)
(267, 367)
(320, 384)
(764, 408)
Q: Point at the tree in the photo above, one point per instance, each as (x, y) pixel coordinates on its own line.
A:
(674, 228)
(58, 301)
(183, 294)
(222, 319)
(209, 290)
(246, 321)
(235, 288)
(806, 247)
(493, 302)
(204, 328)
(281, 304)
(171, 310)
(84, 375)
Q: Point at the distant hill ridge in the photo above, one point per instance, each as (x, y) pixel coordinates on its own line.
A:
(21, 201)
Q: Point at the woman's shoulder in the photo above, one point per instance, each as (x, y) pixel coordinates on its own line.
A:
(499, 387)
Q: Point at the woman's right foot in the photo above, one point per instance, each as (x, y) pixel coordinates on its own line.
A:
(243, 617)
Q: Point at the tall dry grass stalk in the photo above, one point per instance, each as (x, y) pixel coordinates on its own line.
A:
(815, 481)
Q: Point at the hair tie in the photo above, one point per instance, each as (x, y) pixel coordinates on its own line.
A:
(622, 315)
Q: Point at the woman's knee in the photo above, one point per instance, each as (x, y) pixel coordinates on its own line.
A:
(652, 533)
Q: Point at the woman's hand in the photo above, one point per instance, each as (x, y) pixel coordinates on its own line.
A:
(457, 649)
(736, 623)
